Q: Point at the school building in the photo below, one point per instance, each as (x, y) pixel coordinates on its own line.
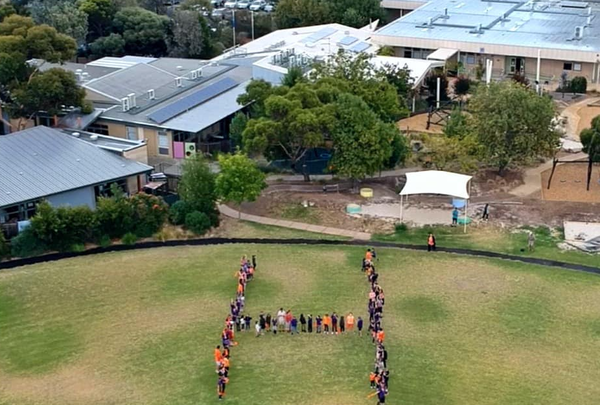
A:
(540, 39)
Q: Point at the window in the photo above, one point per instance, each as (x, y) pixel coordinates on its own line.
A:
(567, 66)
(577, 67)
(163, 142)
(100, 129)
(131, 133)
(407, 53)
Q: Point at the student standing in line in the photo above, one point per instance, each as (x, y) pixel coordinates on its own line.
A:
(218, 357)
(326, 321)
(294, 325)
(342, 324)
(431, 243)
(454, 217)
(257, 328)
(221, 384)
(302, 323)
(334, 323)
(309, 320)
(319, 322)
(268, 322)
(350, 322)
(359, 325)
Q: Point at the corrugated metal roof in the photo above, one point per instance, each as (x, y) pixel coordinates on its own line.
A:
(540, 24)
(41, 161)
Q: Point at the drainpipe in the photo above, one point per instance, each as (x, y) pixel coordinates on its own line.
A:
(537, 72)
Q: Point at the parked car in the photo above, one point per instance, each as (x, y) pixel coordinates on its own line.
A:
(231, 3)
(217, 3)
(218, 13)
(258, 5)
(243, 4)
(269, 7)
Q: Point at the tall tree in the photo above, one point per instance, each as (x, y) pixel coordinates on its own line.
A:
(111, 45)
(590, 138)
(187, 40)
(355, 13)
(237, 127)
(100, 16)
(239, 179)
(512, 124)
(362, 145)
(144, 32)
(197, 186)
(301, 13)
(63, 15)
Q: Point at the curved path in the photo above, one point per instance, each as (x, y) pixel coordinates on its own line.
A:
(273, 241)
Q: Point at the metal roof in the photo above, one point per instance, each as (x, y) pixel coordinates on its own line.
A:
(539, 24)
(41, 161)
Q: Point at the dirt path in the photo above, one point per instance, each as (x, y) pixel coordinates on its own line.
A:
(579, 116)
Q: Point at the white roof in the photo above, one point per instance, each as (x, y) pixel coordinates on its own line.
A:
(418, 67)
(436, 182)
(442, 54)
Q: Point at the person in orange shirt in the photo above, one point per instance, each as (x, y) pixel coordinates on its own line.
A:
(225, 362)
(326, 322)
(218, 357)
(380, 336)
(240, 289)
(372, 379)
(368, 255)
(350, 322)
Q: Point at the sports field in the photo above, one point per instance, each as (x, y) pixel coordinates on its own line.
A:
(140, 327)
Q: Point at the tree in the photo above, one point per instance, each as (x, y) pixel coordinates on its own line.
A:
(100, 16)
(256, 94)
(111, 45)
(144, 32)
(48, 92)
(448, 153)
(197, 187)
(239, 179)
(399, 77)
(579, 85)
(362, 145)
(294, 75)
(590, 138)
(237, 127)
(187, 40)
(462, 84)
(457, 125)
(301, 13)
(512, 124)
(386, 51)
(6, 10)
(400, 151)
(355, 13)
(63, 15)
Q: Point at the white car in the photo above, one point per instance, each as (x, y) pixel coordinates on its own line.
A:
(231, 4)
(243, 4)
(269, 7)
(258, 5)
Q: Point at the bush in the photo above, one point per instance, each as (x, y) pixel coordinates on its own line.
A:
(462, 85)
(178, 212)
(62, 227)
(104, 241)
(77, 247)
(579, 85)
(115, 214)
(150, 214)
(4, 248)
(401, 227)
(27, 244)
(129, 238)
(197, 222)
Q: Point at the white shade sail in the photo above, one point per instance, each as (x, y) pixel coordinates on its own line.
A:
(437, 182)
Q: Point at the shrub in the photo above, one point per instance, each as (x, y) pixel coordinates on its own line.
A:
(77, 247)
(197, 222)
(401, 227)
(27, 244)
(115, 214)
(129, 238)
(150, 213)
(4, 248)
(104, 241)
(462, 85)
(178, 212)
(579, 85)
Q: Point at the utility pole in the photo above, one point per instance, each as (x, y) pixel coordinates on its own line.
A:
(233, 25)
(252, 22)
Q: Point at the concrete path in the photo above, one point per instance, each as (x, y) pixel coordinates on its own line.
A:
(230, 212)
(532, 182)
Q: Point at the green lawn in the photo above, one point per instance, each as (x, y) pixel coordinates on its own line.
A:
(495, 240)
(139, 328)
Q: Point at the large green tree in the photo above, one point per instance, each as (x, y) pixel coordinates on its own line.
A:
(187, 40)
(100, 16)
(512, 124)
(64, 15)
(197, 186)
(362, 143)
(110, 45)
(144, 32)
(239, 179)
(300, 13)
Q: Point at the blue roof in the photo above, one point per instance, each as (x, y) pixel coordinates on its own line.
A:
(193, 100)
(347, 41)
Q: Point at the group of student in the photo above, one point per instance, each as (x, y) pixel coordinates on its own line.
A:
(233, 321)
(380, 375)
(285, 321)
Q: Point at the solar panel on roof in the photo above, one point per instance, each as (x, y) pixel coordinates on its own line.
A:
(192, 100)
(319, 35)
(347, 41)
(361, 46)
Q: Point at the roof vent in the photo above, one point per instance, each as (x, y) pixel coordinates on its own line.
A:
(151, 95)
(589, 21)
(132, 100)
(94, 137)
(125, 104)
(194, 74)
(429, 22)
(179, 67)
(75, 134)
(446, 15)
(578, 32)
(179, 82)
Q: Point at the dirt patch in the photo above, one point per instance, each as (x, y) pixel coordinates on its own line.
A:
(586, 114)
(418, 124)
(569, 183)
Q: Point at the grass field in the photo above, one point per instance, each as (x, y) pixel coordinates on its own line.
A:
(139, 328)
(495, 240)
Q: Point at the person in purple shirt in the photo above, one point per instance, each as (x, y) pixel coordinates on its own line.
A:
(318, 320)
(334, 323)
(294, 325)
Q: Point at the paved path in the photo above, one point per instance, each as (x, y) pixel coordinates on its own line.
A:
(230, 212)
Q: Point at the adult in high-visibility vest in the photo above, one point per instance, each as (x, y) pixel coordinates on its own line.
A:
(350, 321)
(218, 356)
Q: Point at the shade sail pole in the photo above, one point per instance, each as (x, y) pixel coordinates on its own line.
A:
(401, 207)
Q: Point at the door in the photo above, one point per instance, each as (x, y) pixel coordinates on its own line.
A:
(516, 65)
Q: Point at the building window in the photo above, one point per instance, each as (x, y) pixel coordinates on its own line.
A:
(577, 67)
(131, 133)
(100, 129)
(163, 142)
(567, 66)
(408, 53)
(470, 59)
